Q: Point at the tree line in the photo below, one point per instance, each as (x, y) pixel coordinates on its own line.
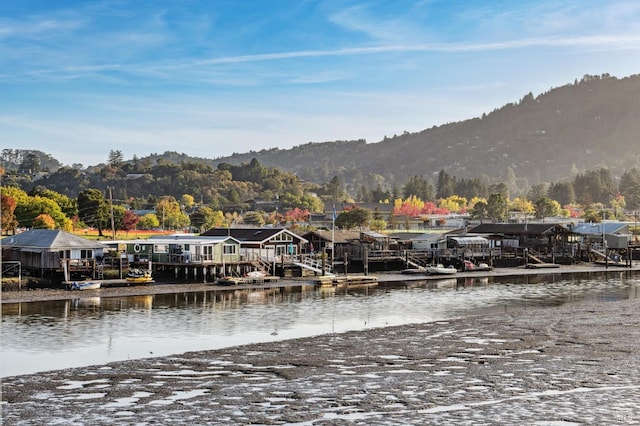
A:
(197, 197)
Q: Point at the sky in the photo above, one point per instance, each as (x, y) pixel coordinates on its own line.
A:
(79, 79)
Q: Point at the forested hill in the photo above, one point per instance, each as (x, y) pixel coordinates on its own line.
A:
(592, 122)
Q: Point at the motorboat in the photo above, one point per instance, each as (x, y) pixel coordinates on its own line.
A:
(85, 285)
(469, 266)
(139, 276)
(440, 269)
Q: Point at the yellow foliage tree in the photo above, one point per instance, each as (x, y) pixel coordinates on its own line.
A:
(521, 204)
(453, 203)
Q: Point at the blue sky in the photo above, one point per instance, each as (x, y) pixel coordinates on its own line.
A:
(210, 78)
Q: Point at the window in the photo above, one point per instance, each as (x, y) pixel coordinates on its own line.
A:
(282, 237)
(229, 249)
(160, 248)
(207, 253)
(86, 254)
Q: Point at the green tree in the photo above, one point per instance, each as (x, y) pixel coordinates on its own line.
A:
(253, 219)
(28, 211)
(68, 205)
(205, 218)
(378, 225)
(497, 207)
(355, 217)
(149, 221)
(479, 211)
(562, 192)
(93, 210)
(446, 185)
(172, 216)
(115, 158)
(419, 187)
(546, 207)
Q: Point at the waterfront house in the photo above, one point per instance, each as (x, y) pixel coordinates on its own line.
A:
(180, 249)
(266, 244)
(616, 234)
(53, 254)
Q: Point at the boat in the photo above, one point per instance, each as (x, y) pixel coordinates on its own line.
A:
(413, 271)
(440, 269)
(139, 276)
(85, 285)
(469, 266)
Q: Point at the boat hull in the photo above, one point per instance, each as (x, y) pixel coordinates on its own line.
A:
(85, 285)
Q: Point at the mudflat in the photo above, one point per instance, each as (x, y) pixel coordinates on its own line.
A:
(571, 364)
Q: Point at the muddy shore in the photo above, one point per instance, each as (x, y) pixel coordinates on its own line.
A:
(573, 364)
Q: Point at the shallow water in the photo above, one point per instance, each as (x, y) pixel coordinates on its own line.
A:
(42, 336)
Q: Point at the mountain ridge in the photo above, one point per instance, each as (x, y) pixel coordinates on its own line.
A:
(577, 127)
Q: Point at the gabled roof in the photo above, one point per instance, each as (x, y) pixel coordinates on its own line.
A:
(249, 235)
(185, 239)
(52, 239)
(600, 228)
(341, 237)
(517, 228)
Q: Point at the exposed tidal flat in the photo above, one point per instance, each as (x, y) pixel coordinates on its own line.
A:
(571, 363)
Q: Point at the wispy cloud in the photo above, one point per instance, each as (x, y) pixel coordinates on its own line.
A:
(591, 42)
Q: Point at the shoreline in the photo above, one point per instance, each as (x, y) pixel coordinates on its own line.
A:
(569, 364)
(45, 294)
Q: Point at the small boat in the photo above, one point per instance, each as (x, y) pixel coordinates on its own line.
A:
(255, 274)
(440, 269)
(413, 271)
(139, 276)
(85, 285)
(470, 266)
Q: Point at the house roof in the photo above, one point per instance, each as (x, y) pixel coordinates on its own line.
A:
(517, 228)
(249, 235)
(52, 239)
(186, 239)
(473, 239)
(600, 228)
(340, 237)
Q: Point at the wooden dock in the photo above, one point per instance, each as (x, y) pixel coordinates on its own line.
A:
(542, 265)
(349, 280)
(246, 280)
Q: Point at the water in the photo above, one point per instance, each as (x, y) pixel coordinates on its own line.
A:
(42, 336)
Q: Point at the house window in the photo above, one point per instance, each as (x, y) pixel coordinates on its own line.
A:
(229, 249)
(65, 254)
(86, 254)
(207, 252)
(282, 237)
(160, 248)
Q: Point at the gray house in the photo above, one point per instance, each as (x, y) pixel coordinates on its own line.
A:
(52, 254)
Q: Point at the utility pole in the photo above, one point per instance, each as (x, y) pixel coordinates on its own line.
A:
(113, 225)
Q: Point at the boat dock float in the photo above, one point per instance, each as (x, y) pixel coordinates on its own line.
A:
(335, 280)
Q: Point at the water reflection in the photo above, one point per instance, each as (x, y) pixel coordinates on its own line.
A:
(58, 334)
